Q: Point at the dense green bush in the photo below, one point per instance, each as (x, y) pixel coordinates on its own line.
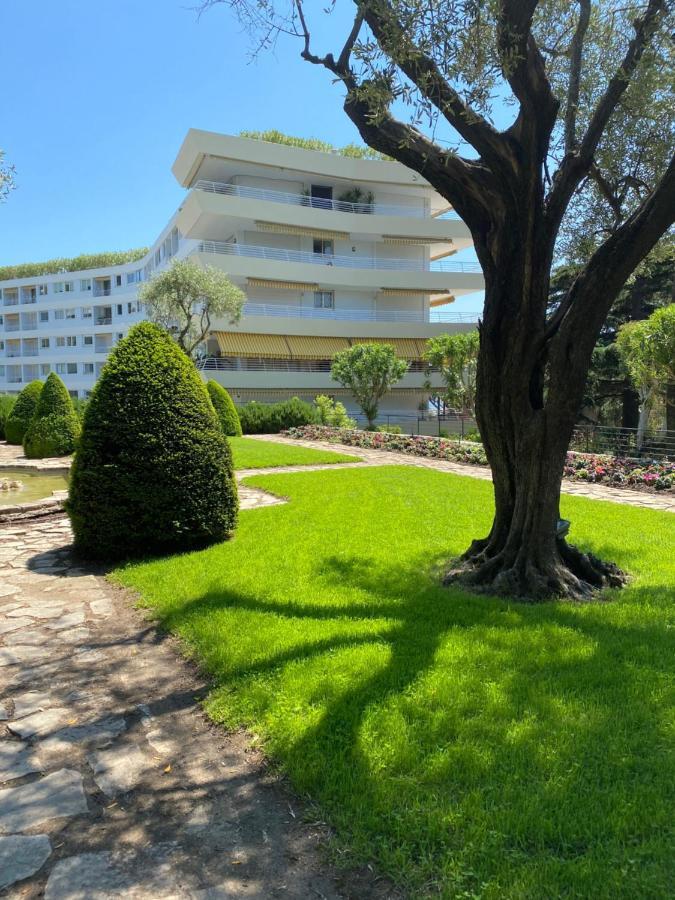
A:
(79, 405)
(225, 409)
(153, 470)
(55, 427)
(7, 402)
(270, 418)
(332, 412)
(22, 413)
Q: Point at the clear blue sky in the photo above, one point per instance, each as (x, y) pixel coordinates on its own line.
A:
(98, 96)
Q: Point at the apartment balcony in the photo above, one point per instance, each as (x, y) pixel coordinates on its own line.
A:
(357, 314)
(208, 214)
(101, 291)
(103, 320)
(365, 272)
(372, 209)
(12, 326)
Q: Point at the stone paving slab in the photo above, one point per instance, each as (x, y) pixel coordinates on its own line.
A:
(112, 781)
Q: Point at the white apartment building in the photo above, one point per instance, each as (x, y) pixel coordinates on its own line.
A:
(329, 250)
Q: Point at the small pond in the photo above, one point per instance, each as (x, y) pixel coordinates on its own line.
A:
(35, 486)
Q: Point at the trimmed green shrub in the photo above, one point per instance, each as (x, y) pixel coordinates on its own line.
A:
(55, 428)
(225, 409)
(270, 418)
(332, 412)
(153, 470)
(22, 413)
(7, 402)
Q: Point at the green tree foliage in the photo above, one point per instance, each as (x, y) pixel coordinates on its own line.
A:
(7, 183)
(271, 418)
(369, 371)
(7, 402)
(332, 412)
(72, 264)
(185, 298)
(647, 349)
(55, 427)
(356, 151)
(456, 358)
(225, 409)
(153, 471)
(22, 412)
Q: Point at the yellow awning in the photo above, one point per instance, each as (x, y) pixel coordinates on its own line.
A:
(277, 228)
(305, 346)
(283, 285)
(235, 343)
(442, 300)
(409, 241)
(406, 348)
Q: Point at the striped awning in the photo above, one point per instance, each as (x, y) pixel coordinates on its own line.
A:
(283, 285)
(410, 241)
(305, 346)
(442, 300)
(406, 348)
(409, 292)
(308, 231)
(236, 343)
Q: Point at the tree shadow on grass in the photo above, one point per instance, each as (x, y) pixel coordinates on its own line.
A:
(527, 727)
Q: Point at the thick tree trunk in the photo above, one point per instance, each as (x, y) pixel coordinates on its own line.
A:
(526, 428)
(670, 407)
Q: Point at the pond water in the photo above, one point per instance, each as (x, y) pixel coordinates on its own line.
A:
(35, 487)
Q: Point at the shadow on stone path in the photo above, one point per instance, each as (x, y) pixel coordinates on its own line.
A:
(112, 781)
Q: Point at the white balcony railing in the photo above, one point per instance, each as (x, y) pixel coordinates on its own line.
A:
(326, 259)
(377, 209)
(243, 365)
(356, 314)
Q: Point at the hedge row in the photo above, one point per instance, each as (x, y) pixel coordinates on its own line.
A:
(632, 473)
(271, 418)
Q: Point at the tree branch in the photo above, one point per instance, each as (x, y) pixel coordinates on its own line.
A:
(577, 161)
(576, 53)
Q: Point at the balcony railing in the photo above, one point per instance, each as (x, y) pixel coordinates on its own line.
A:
(10, 301)
(326, 259)
(377, 209)
(245, 364)
(356, 314)
(12, 326)
(103, 320)
(102, 291)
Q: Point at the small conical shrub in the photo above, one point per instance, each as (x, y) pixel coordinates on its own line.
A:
(153, 470)
(22, 412)
(225, 409)
(54, 428)
(7, 402)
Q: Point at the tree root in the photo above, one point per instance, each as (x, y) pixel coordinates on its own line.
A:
(569, 574)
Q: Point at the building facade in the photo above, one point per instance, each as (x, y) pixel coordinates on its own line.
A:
(329, 250)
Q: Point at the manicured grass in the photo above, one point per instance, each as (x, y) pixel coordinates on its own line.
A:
(473, 747)
(249, 453)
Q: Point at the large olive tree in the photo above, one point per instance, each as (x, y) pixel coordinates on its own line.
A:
(591, 91)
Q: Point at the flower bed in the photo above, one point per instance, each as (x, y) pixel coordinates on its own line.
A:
(638, 474)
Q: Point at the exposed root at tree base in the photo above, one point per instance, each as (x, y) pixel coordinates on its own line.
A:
(568, 575)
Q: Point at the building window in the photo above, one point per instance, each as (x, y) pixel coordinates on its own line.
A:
(119, 309)
(44, 315)
(86, 312)
(61, 287)
(60, 368)
(59, 313)
(45, 369)
(324, 300)
(325, 248)
(44, 289)
(58, 287)
(60, 341)
(133, 277)
(118, 281)
(88, 340)
(73, 394)
(85, 284)
(71, 313)
(44, 343)
(87, 368)
(71, 340)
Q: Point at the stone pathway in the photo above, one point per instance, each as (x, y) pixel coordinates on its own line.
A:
(112, 781)
(369, 457)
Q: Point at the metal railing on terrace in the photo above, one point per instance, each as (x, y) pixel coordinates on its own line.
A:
(377, 209)
(325, 259)
(257, 364)
(356, 314)
(623, 442)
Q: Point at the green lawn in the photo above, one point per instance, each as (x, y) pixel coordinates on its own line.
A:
(249, 453)
(473, 747)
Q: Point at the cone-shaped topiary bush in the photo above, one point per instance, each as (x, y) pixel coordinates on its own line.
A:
(153, 470)
(22, 412)
(225, 409)
(55, 427)
(7, 402)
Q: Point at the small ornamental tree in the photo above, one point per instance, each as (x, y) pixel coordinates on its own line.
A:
(456, 358)
(153, 471)
(368, 371)
(55, 427)
(185, 298)
(647, 349)
(22, 413)
(225, 409)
